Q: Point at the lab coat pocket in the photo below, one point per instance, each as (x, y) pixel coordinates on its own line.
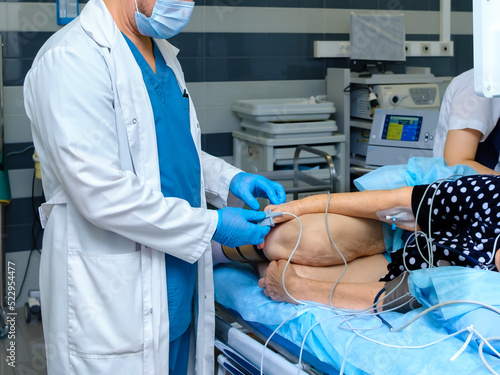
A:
(105, 304)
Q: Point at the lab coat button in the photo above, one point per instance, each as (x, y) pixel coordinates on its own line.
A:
(197, 124)
(151, 311)
(134, 121)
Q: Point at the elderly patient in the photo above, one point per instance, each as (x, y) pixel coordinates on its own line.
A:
(464, 224)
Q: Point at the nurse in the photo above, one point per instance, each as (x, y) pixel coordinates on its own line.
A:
(126, 271)
(468, 132)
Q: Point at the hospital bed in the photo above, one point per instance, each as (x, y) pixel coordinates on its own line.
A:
(316, 339)
(334, 342)
(297, 181)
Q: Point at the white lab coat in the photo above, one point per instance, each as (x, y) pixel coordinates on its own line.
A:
(102, 277)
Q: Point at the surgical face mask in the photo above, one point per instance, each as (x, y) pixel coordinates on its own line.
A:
(169, 17)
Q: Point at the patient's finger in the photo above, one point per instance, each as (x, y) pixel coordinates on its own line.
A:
(262, 282)
(285, 207)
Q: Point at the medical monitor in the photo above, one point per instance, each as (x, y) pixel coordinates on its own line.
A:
(398, 134)
(376, 40)
(402, 128)
(486, 47)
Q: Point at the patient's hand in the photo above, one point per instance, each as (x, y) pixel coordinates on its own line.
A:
(497, 260)
(272, 282)
(297, 208)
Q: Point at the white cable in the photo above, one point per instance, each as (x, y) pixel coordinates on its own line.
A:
(486, 341)
(411, 347)
(336, 248)
(489, 307)
(344, 359)
(428, 238)
(285, 290)
(19, 152)
(269, 339)
(494, 251)
(465, 345)
(290, 258)
(481, 354)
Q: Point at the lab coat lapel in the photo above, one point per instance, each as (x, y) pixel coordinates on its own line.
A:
(98, 23)
(169, 53)
(136, 112)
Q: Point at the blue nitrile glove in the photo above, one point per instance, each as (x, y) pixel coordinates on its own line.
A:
(237, 227)
(247, 187)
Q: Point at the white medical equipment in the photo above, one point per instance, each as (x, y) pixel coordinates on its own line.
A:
(67, 10)
(377, 39)
(412, 96)
(272, 130)
(486, 48)
(397, 135)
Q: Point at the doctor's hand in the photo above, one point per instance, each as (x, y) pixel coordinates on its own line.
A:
(247, 187)
(237, 227)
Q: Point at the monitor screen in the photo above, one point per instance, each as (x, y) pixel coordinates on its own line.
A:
(377, 37)
(402, 128)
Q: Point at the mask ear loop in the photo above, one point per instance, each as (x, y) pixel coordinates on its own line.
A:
(136, 7)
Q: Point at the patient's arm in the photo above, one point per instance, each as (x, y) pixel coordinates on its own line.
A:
(357, 290)
(363, 204)
(354, 237)
(461, 147)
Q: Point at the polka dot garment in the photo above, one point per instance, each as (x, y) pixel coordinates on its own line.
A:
(465, 223)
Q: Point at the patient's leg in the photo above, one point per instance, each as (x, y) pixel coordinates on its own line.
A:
(362, 270)
(357, 291)
(354, 237)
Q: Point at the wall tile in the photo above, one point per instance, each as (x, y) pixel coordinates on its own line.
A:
(193, 68)
(220, 144)
(235, 45)
(403, 5)
(23, 44)
(18, 237)
(236, 69)
(296, 89)
(295, 68)
(461, 6)
(281, 45)
(16, 160)
(14, 71)
(14, 101)
(190, 44)
(19, 222)
(22, 183)
(222, 120)
(296, 3)
(17, 129)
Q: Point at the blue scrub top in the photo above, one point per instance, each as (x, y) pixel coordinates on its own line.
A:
(179, 171)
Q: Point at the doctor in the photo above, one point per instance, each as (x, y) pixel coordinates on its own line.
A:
(126, 270)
